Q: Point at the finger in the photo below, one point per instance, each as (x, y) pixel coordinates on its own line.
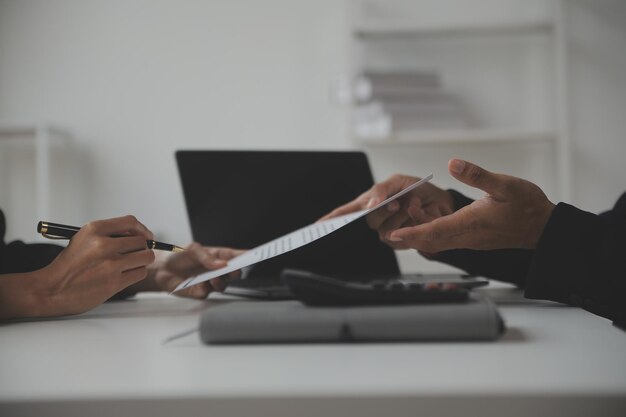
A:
(235, 275)
(432, 213)
(219, 283)
(424, 214)
(418, 215)
(350, 207)
(394, 184)
(211, 257)
(120, 226)
(126, 244)
(132, 276)
(445, 209)
(379, 192)
(202, 290)
(428, 255)
(399, 245)
(201, 256)
(376, 219)
(475, 176)
(199, 291)
(134, 260)
(374, 196)
(393, 223)
(449, 232)
(225, 254)
(392, 206)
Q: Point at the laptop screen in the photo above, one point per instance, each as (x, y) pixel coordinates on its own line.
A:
(242, 199)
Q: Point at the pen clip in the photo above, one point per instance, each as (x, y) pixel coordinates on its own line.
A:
(53, 237)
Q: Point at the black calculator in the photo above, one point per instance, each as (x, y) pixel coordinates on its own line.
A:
(321, 290)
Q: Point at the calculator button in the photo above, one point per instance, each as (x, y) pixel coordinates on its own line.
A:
(378, 285)
(432, 286)
(396, 286)
(449, 287)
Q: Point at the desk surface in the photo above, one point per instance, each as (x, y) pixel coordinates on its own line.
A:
(553, 360)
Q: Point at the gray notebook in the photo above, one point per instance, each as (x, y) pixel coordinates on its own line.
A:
(293, 322)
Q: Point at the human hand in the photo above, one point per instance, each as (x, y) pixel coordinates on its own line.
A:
(92, 268)
(513, 214)
(425, 203)
(194, 260)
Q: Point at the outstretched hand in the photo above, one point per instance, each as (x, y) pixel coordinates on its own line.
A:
(423, 204)
(512, 214)
(194, 260)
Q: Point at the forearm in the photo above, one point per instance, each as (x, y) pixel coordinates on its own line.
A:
(580, 260)
(18, 297)
(508, 265)
(37, 294)
(18, 257)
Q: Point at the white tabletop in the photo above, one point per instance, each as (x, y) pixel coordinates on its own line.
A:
(553, 360)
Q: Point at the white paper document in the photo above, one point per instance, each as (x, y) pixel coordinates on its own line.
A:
(293, 240)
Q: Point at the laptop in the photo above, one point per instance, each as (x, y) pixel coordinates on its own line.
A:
(242, 199)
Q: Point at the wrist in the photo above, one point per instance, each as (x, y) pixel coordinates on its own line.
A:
(542, 220)
(156, 273)
(20, 295)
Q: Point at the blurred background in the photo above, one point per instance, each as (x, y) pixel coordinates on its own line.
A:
(95, 96)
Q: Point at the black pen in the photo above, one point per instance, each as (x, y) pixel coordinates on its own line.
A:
(62, 231)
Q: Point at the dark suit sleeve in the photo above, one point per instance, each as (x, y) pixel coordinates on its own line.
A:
(581, 260)
(20, 257)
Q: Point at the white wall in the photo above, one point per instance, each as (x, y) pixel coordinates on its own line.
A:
(597, 85)
(135, 80)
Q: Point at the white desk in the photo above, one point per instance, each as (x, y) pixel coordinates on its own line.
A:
(553, 361)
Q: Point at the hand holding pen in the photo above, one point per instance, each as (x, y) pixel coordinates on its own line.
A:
(105, 258)
(167, 272)
(90, 270)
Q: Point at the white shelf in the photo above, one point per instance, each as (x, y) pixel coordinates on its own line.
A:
(391, 30)
(8, 129)
(504, 59)
(446, 137)
(43, 134)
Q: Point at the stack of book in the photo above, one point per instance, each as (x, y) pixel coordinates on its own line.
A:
(390, 102)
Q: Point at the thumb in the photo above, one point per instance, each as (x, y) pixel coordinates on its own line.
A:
(477, 177)
(381, 191)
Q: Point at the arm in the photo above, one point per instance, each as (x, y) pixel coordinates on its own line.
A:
(38, 280)
(92, 268)
(580, 260)
(18, 256)
(578, 257)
